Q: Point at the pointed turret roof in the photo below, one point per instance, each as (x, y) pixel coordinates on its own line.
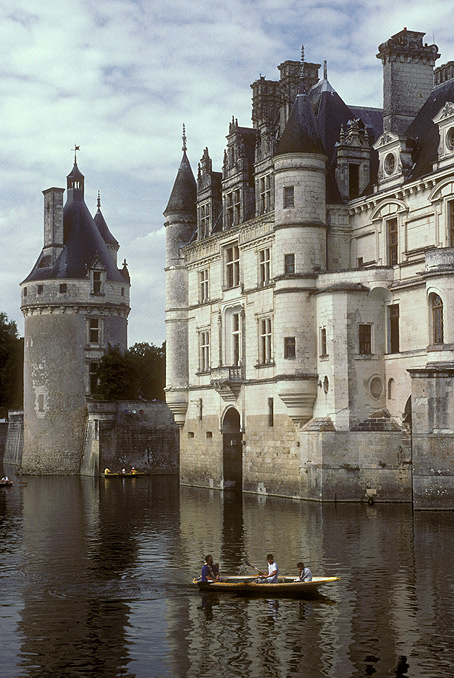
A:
(300, 134)
(184, 193)
(83, 243)
(102, 226)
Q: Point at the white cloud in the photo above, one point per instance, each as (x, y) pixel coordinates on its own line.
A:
(119, 77)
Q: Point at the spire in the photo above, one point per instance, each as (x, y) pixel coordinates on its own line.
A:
(325, 70)
(184, 192)
(103, 227)
(99, 201)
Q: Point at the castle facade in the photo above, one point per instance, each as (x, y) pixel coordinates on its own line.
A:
(310, 338)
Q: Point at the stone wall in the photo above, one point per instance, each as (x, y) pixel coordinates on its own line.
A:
(3, 434)
(133, 433)
(339, 465)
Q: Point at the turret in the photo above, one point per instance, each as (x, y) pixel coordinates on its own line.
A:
(111, 242)
(180, 224)
(299, 253)
(75, 302)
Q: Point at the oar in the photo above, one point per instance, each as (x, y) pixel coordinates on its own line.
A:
(246, 562)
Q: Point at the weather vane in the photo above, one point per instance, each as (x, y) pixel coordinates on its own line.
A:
(75, 149)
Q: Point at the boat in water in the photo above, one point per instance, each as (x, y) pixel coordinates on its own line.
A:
(6, 483)
(248, 585)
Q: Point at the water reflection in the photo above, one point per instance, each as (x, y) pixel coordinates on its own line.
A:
(97, 578)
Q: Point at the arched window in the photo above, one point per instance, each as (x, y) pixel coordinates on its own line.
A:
(390, 388)
(437, 320)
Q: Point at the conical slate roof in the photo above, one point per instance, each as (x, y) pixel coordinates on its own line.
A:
(103, 228)
(82, 241)
(300, 134)
(184, 192)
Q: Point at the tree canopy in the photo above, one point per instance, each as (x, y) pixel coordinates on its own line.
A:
(137, 373)
(11, 366)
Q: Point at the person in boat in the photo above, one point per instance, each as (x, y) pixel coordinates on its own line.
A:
(5, 479)
(209, 570)
(273, 571)
(133, 471)
(123, 471)
(304, 573)
(106, 471)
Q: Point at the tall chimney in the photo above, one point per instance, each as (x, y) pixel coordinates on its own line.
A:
(407, 78)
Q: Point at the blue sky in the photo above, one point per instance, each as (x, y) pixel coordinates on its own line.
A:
(120, 77)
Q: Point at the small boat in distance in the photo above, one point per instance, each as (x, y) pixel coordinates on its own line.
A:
(122, 475)
(6, 483)
(248, 585)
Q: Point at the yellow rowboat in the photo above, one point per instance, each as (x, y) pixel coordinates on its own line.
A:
(285, 586)
(122, 475)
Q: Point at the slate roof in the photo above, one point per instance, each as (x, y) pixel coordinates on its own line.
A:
(184, 192)
(424, 131)
(82, 242)
(104, 229)
(300, 134)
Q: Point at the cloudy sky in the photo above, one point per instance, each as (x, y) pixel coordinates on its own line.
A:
(120, 77)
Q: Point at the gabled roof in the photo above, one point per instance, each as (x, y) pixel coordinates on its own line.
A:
(184, 192)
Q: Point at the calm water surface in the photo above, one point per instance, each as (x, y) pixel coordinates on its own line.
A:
(95, 581)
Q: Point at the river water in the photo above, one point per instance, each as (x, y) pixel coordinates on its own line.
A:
(95, 580)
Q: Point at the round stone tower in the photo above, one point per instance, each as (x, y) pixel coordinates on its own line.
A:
(75, 302)
(181, 223)
(299, 255)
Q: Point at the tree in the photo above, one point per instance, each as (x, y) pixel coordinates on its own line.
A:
(150, 363)
(11, 365)
(116, 376)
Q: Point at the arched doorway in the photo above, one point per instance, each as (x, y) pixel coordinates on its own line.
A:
(232, 450)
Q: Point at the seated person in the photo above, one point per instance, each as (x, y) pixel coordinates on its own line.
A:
(273, 571)
(133, 471)
(209, 571)
(106, 471)
(304, 573)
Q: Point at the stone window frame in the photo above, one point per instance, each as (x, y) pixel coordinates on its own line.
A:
(323, 343)
(204, 219)
(264, 192)
(231, 256)
(265, 340)
(289, 263)
(290, 348)
(264, 262)
(204, 285)
(365, 339)
(233, 328)
(394, 328)
(204, 350)
(94, 332)
(437, 329)
(288, 197)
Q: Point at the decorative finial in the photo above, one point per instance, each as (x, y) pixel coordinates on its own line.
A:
(184, 139)
(302, 87)
(75, 149)
(99, 200)
(325, 70)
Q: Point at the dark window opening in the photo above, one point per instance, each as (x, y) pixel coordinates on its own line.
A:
(392, 242)
(437, 320)
(394, 328)
(353, 180)
(323, 350)
(365, 336)
(270, 411)
(289, 264)
(289, 196)
(289, 347)
(63, 288)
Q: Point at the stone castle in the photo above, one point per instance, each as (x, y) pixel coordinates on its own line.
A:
(310, 345)
(75, 302)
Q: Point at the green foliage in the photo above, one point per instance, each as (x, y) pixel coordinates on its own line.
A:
(11, 366)
(116, 376)
(137, 373)
(150, 365)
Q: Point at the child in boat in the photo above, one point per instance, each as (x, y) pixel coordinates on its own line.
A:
(273, 571)
(304, 573)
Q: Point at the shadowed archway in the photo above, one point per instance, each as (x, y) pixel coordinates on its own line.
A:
(232, 450)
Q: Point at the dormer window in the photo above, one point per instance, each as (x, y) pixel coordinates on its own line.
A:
(445, 121)
(97, 277)
(394, 159)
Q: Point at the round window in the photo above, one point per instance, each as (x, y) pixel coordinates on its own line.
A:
(390, 163)
(376, 387)
(450, 138)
